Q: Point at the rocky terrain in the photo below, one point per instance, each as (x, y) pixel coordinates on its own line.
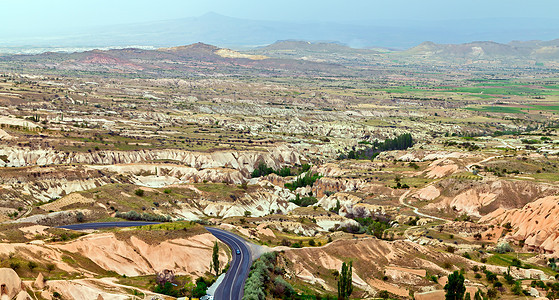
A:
(319, 153)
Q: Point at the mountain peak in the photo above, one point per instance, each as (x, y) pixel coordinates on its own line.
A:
(213, 16)
(195, 46)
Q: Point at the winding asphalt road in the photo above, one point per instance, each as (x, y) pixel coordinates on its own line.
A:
(232, 286)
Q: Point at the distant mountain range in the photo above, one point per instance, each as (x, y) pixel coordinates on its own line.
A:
(283, 58)
(238, 33)
(197, 59)
(473, 51)
(536, 50)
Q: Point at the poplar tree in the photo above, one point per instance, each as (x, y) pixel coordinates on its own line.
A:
(345, 284)
(215, 259)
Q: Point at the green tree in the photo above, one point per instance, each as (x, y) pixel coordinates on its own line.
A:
(188, 289)
(137, 294)
(455, 288)
(345, 283)
(383, 294)
(477, 295)
(491, 293)
(215, 259)
(336, 209)
(377, 229)
(516, 288)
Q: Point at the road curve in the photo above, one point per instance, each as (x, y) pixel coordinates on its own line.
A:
(84, 226)
(416, 210)
(232, 286)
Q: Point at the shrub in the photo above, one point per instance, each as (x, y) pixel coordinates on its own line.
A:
(139, 192)
(282, 288)
(377, 229)
(508, 278)
(32, 265)
(259, 275)
(201, 288)
(383, 294)
(262, 170)
(516, 288)
(134, 216)
(301, 181)
(491, 277)
(503, 248)
(400, 142)
(284, 172)
(80, 217)
(166, 289)
(304, 201)
(50, 267)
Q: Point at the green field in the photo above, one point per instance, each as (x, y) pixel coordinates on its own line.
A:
(509, 90)
(505, 260)
(498, 109)
(514, 110)
(545, 107)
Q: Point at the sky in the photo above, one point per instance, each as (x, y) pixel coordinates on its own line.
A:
(32, 17)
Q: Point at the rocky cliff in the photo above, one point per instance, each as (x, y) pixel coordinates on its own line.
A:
(244, 161)
(537, 224)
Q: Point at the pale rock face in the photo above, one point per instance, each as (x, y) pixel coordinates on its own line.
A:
(537, 223)
(349, 204)
(378, 254)
(229, 167)
(51, 188)
(23, 295)
(4, 135)
(328, 184)
(468, 202)
(244, 161)
(428, 193)
(419, 155)
(113, 254)
(489, 196)
(12, 281)
(441, 168)
(86, 289)
(259, 203)
(39, 282)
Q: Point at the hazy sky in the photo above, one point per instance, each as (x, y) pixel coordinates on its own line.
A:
(30, 17)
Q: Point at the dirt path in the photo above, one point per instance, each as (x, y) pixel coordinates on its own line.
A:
(416, 210)
(469, 167)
